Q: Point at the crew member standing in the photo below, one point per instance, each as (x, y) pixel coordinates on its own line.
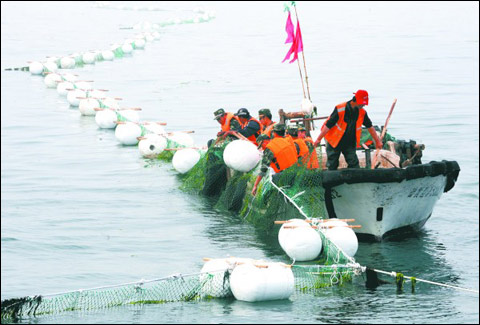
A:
(343, 128)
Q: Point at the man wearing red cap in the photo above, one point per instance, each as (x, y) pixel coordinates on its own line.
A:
(343, 128)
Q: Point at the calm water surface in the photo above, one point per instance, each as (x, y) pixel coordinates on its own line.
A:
(78, 210)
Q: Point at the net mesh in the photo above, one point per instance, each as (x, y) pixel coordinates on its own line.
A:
(176, 288)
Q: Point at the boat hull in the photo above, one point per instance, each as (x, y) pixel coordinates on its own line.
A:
(385, 202)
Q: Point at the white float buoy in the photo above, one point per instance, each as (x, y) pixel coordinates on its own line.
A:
(184, 160)
(110, 103)
(301, 242)
(50, 66)
(52, 79)
(108, 55)
(88, 58)
(72, 96)
(344, 238)
(130, 114)
(155, 128)
(106, 119)
(35, 67)
(95, 93)
(182, 139)
(127, 133)
(251, 283)
(83, 85)
(139, 43)
(127, 48)
(67, 62)
(70, 77)
(63, 86)
(241, 155)
(152, 145)
(87, 106)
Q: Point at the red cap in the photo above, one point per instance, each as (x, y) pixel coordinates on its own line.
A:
(361, 97)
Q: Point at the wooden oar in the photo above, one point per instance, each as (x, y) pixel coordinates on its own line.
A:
(374, 160)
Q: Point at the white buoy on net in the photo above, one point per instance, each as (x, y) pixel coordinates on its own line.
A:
(307, 106)
(139, 43)
(35, 67)
(72, 96)
(106, 119)
(184, 160)
(95, 93)
(241, 155)
(127, 48)
(70, 77)
(67, 62)
(130, 114)
(63, 86)
(127, 133)
(182, 139)
(213, 280)
(52, 80)
(83, 85)
(110, 103)
(251, 283)
(88, 58)
(343, 237)
(50, 66)
(87, 106)
(154, 128)
(299, 240)
(108, 55)
(152, 145)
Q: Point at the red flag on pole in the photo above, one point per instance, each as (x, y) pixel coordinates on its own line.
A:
(289, 29)
(297, 45)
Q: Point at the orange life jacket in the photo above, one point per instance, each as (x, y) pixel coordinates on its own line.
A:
(228, 119)
(253, 137)
(285, 153)
(312, 162)
(336, 133)
(268, 129)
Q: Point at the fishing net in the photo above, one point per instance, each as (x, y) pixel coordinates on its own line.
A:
(176, 288)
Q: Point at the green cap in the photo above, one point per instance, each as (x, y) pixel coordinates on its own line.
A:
(292, 130)
(265, 111)
(262, 137)
(279, 127)
(218, 113)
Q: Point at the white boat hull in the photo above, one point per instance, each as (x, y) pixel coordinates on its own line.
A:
(381, 208)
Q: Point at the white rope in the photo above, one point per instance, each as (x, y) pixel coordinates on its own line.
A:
(394, 274)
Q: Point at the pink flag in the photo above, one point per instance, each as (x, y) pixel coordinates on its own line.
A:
(298, 42)
(297, 45)
(289, 29)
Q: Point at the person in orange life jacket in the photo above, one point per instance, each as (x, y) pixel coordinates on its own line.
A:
(250, 127)
(280, 153)
(227, 121)
(343, 128)
(265, 118)
(305, 156)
